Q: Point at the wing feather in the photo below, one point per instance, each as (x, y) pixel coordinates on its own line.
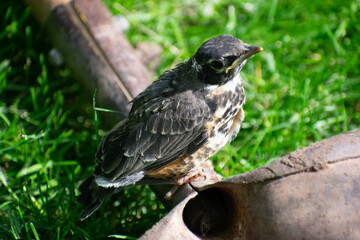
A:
(156, 133)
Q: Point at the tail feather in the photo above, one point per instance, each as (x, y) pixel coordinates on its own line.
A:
(92, 196)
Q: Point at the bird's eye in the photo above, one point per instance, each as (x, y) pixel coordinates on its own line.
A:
(217, 64)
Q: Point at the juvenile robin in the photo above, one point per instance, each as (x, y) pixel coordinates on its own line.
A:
(187, 115)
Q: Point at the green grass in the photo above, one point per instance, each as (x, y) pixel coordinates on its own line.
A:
(302, 88)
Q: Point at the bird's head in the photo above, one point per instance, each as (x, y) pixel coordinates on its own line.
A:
(219, 59)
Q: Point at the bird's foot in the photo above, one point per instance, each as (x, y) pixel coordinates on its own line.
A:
(196, 175)
(205, 172)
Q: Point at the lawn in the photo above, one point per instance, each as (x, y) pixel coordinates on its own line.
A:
(302, 88)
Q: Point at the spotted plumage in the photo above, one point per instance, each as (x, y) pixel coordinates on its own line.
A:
(183, 118)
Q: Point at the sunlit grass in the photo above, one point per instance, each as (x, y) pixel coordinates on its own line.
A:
(302, 88)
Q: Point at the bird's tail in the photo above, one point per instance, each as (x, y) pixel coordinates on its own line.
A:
(92, 196)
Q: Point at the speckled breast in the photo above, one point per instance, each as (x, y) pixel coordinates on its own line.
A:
(226, 103)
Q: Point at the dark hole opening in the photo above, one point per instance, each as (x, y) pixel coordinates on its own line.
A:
(209, 214)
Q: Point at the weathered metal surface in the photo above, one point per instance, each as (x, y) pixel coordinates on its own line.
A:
(171, 226)
(117, 51)
(96, 51)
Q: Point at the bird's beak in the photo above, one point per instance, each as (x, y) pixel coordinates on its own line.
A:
(250, 50)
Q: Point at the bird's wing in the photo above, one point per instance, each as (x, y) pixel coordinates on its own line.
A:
(155, 134)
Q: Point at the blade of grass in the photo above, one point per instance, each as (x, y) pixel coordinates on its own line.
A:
(33, 229)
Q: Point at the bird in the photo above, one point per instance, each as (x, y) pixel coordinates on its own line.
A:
(175, 125)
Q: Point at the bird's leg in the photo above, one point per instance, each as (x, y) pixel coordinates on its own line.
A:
(195, 175)
(209, 171)
(205, 172)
